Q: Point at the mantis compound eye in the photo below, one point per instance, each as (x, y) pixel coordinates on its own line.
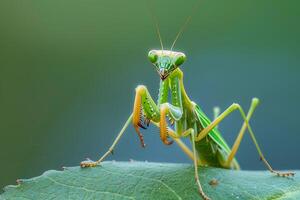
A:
(152, 56)
(179, 60)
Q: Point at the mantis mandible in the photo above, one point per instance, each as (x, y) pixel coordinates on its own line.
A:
(208, 146)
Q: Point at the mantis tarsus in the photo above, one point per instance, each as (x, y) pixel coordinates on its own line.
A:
(208, 146)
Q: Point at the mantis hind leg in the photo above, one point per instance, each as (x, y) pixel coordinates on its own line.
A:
(246, 124)
(239, 138)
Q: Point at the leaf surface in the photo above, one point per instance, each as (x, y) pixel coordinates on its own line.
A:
(144, 180)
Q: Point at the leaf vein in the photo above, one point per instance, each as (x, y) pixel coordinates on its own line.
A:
(146, 178)
(86, 189)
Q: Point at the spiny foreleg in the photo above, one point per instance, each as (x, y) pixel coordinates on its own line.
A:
(144, 109)
(174, 113)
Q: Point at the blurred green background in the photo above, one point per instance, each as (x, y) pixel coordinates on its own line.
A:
(68, 69)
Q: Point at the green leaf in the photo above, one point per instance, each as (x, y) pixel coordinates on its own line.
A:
(144, 180)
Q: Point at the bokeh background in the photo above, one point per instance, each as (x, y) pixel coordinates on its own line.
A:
(68, 70)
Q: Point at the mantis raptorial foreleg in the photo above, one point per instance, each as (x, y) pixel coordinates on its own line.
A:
(175, 113)
(157, 116)
(246, 124)
(143, 104)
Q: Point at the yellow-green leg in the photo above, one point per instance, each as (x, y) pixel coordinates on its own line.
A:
(239, 138)
(190, 132)
(90, 163)
(142, 98)
(171, 133)
(176, 138)
(246, 124)
(203, 133)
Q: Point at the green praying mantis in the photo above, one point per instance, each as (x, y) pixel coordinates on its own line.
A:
(175, 107)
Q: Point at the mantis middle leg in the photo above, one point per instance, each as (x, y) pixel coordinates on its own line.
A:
(150, 110)
(90, 163)
(191, 133)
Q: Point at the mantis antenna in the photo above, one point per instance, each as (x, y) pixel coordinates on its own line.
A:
(156, 25)
(159, 36)
(187, 21)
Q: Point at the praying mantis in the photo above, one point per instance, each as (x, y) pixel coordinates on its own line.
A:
(178, 117)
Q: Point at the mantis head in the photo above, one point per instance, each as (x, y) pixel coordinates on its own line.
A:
(165, 61)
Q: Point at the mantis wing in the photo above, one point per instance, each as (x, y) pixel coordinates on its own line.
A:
(214, 134)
